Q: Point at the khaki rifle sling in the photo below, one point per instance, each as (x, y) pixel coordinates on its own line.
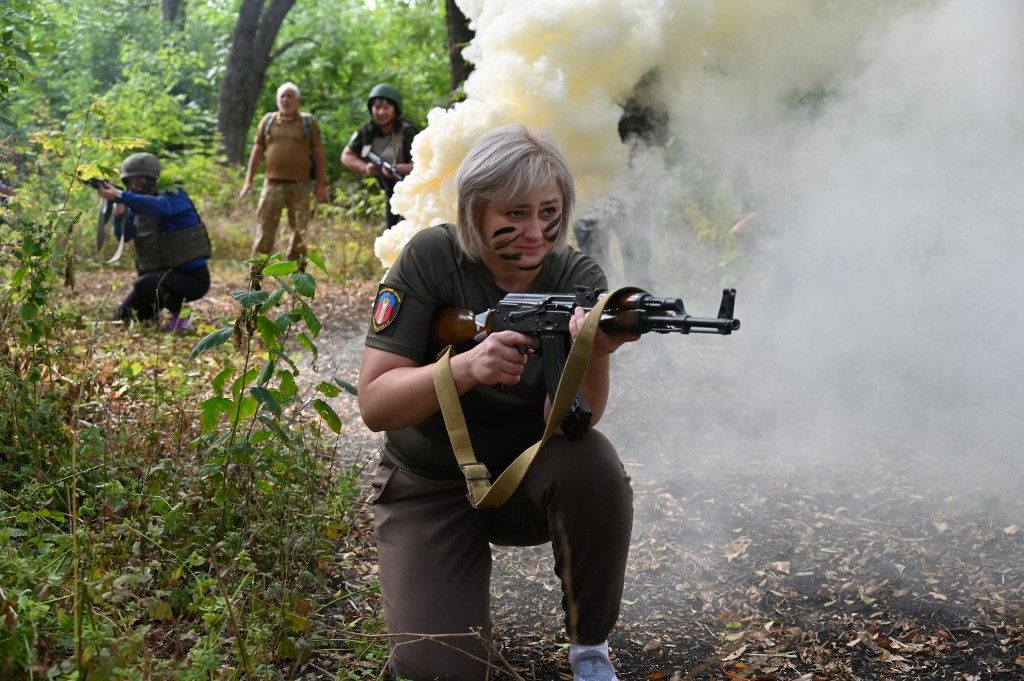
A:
(482, 493)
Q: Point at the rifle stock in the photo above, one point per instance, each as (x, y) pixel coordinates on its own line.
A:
(453, 326)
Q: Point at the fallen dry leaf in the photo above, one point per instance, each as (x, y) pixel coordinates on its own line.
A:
(739, 547)
(652, 646)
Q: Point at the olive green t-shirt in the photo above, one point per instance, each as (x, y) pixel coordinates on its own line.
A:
(433, 273)
(289, 150)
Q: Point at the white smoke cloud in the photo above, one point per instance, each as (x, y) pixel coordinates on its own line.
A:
(880, 308)
(567, 66)
(881, 144)
(908, 216)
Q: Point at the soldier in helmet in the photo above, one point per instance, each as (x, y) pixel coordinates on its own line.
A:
(387, 137)
(171, 243)
(644, 130)
(291, 142)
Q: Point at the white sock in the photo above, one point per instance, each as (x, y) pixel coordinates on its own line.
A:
(575, 650)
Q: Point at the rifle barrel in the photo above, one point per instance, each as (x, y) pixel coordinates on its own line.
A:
(686, 324)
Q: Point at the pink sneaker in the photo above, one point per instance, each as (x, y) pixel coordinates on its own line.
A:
(177, 325)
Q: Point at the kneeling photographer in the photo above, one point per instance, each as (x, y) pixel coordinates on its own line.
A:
(171, 243)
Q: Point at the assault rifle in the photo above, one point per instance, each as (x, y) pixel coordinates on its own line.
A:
(94, 182)
(376, 160)
(546, 317)
(106, 210)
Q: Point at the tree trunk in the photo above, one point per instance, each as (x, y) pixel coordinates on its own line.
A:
(174, 13)
(459, 36)
(248, 59)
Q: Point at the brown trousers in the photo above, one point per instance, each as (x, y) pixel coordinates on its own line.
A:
(278, 195)
(435, 557)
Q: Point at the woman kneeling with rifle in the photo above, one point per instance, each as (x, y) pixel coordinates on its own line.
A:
(515, 201)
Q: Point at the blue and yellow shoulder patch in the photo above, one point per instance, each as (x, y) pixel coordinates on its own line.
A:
(385, 309)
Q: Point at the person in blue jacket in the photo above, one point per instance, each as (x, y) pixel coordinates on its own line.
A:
(171, 243)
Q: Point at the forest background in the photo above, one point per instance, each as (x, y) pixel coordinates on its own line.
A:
(165, 506)
(841, 502)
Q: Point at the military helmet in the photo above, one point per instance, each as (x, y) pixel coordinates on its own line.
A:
(141, 163)
(389, 93)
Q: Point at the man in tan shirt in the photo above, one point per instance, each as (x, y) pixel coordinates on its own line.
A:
(294, 150)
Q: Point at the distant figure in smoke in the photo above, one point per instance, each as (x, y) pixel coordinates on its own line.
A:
(643, 126)
(388, 137)
(171, 243)
(515, 200)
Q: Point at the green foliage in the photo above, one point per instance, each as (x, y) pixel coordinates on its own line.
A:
(134, 524)
(15, 44)
(97, 82)
(161, 515)
(342, 49)
(76, 49)
(147, 103)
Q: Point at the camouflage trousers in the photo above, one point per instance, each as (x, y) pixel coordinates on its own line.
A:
(278, 195)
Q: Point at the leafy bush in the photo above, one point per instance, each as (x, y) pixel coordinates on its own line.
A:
(146, 530)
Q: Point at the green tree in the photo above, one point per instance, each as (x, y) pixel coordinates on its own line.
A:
(340, 50)
(19, 15)
(251, 53)
(459, 35)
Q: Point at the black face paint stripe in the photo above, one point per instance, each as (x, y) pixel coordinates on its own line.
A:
(551, 231)
(530, 269)
(502, 230)
(510, 256)
(504, 244)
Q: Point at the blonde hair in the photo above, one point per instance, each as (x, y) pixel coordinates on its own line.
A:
(503, 166)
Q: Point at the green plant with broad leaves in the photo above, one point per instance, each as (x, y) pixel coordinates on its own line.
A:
(147, 528)
(250, 420)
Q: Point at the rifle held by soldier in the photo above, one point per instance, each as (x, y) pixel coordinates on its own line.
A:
(106, 209)
(546, 316)
(384, 165)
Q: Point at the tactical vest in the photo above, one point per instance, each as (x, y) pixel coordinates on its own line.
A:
(391, 147)
(155, 250)
(307, 125)
(307, 132)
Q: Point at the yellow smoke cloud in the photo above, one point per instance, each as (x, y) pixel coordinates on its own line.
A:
(566, 66)
(559, 66)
